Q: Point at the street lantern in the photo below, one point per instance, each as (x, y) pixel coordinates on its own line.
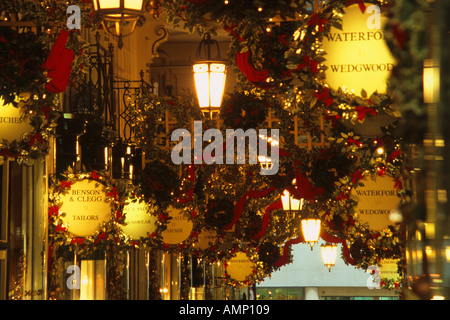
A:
(329, 252)
(290, 204)
(122, 13)
(311, 230)
(209, 76)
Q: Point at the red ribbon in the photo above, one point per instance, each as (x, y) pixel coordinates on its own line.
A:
(361, 4)
(287, 246)
(303, 189)
(274, 206)
(59, 64)
(239, 207)
(256, 77)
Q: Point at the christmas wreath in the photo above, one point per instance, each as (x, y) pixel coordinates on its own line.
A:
(244, 110)
(158, 183)
(219, 213)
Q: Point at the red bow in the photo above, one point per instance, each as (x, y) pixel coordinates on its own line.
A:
(60, 228)
(114, 193)
(46, 111)
(101, 236)
(362, 111)
(94, 175)
(356, 176)
(361, 4)
(324, 96)
(35, 137)
(78, 241)
(395, 154)
(308, 62)
(53, 211)
(315, 20)
(65, 184)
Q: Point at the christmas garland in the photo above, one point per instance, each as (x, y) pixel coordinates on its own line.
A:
(202, 16)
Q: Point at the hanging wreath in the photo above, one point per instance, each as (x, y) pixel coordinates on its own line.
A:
(244, 110)
(219, 213)
(159, 183)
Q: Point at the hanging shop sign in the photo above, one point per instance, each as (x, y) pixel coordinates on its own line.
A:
(86, 206)
(13, 123)
(179, 227)
(389, 269)
(206, 238)
(240, 267)
(357, 56)
(139, 223)
(375, 200)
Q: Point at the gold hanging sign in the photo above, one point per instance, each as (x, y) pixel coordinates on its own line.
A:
(375, 201)
(139, 223)
(357, 56)
(86, 205)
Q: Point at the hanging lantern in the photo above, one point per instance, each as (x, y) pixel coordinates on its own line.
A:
(124, 14)
(329, 252)
(290, 204)
(311, 230)
(209, 77)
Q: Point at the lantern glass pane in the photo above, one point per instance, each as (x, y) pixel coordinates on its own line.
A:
(109, 4)
(311, 229)
(294, 203)
(133, 4)
(217, 86)
(329, 254)
(201, 78)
